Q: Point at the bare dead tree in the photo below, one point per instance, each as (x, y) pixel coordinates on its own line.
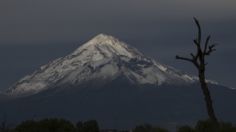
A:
(198, 60)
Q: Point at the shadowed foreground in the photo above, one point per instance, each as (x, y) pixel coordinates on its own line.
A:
(61, 125)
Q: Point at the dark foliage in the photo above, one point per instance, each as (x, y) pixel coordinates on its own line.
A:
(46, 125)
(148, 128)
(56, 125)
(61, 125)
(88, 126)
(208, 126)
(185, 129)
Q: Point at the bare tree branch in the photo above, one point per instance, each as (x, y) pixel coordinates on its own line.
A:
(194, 61)
(198, 59)
(193, 56)
(184, 58)
(206, 43)
(199, 30)
(210, 49)
(196, 42)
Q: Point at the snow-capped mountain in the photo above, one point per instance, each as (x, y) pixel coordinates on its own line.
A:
(104, 58)
(108, 80)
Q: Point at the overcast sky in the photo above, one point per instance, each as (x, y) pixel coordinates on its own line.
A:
(33, 33)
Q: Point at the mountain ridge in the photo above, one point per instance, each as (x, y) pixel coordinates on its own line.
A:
(104, 56)
(118, 88)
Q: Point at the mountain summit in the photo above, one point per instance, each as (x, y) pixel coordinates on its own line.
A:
(103, 58)
(112, 82)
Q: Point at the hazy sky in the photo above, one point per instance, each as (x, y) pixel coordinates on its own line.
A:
(35, 32)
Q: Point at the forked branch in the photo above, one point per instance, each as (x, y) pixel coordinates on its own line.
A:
(210, 49)
(198, 59)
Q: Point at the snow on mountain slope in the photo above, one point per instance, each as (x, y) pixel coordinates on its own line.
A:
(105, 58)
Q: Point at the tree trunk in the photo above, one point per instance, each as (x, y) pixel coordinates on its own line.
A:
(198, 59)
(207, 97)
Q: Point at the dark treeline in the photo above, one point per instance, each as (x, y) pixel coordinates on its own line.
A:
(62, 125)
